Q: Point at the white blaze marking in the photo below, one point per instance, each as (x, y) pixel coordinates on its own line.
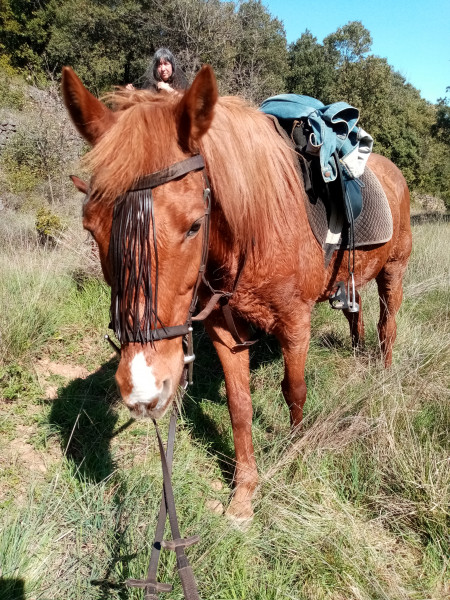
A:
(143, 381)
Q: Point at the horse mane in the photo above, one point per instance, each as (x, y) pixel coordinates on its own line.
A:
(251, 168)
(253, 173)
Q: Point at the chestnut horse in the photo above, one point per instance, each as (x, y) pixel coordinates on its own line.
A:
(260, 242)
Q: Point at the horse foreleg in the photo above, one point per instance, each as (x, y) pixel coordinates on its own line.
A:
(356, 322)
(236, 369)
(294, 345)
(390, 290)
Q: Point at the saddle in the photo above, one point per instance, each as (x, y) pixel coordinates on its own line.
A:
(345, 213)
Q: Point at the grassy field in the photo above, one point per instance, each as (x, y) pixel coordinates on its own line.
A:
(356, 507)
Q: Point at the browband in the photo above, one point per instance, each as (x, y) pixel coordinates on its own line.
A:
(194, 163)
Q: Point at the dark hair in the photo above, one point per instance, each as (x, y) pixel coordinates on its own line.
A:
(166, 55)
(177, 80)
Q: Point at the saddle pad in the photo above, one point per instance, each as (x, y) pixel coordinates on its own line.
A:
(373, 225)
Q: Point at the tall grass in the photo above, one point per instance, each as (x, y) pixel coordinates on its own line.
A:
(354, 507)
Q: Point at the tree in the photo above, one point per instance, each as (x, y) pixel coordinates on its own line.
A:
(312, 70)
(349, 43)
(199, 32)
(24, 31)
(441, 128)
(261, 55)
(110, 42)
(105, 42)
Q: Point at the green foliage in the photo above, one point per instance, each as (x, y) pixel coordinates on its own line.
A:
(11, 87)
(48, 226)
(36, 159)
(111, 43)
(33, 147)
(349, 43)
(24, 32)
(101, 40)
(441, 129)
(17, 382)
(312, 71)
(261, 59)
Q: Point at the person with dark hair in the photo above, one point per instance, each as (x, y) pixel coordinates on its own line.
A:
(163, 73)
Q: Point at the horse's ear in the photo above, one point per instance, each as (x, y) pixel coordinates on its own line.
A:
(196, 108)
(90, 116)
(81, 185)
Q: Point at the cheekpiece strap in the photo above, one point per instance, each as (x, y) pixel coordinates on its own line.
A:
(194, 163)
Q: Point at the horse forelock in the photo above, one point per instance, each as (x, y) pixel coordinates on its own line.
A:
(251, 168)
(143, 140)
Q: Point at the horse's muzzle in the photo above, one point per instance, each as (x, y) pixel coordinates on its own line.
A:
(147, 389)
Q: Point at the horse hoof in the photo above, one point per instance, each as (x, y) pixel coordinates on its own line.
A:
(239, 522)
(240, 514)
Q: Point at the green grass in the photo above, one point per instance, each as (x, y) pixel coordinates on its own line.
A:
(354, 507)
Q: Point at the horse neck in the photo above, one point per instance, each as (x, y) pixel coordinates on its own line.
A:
(230, 262)
(259, 197)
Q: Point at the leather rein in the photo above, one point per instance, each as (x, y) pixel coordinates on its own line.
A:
(152, 330)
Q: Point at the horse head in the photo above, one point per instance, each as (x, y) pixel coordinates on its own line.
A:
(145, 208)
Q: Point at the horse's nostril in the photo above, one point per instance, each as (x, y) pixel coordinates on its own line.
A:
(166, 388)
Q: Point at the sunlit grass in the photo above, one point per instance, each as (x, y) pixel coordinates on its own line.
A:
(354, 507)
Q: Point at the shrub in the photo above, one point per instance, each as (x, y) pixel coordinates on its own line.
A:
(42, 151)
(48, 226)
(11, 87)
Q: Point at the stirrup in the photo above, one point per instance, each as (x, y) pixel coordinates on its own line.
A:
(339, 300)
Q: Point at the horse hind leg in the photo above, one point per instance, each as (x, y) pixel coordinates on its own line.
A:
(390, 291)
(356, 322)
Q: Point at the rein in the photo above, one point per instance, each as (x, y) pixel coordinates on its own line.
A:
(151, 586)
(133, 256)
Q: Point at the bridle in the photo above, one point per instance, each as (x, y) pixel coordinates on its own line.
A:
(131, 259)
(131, 254)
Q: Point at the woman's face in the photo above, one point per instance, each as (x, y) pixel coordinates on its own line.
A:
(164, 69)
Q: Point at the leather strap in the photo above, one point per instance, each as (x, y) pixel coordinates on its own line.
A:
(151, 585)
(177, 544)
(229, 320)
(178, 169)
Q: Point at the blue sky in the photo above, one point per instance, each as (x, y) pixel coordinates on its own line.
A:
(413, 35)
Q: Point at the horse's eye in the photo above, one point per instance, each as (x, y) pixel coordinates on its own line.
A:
(195, 228)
